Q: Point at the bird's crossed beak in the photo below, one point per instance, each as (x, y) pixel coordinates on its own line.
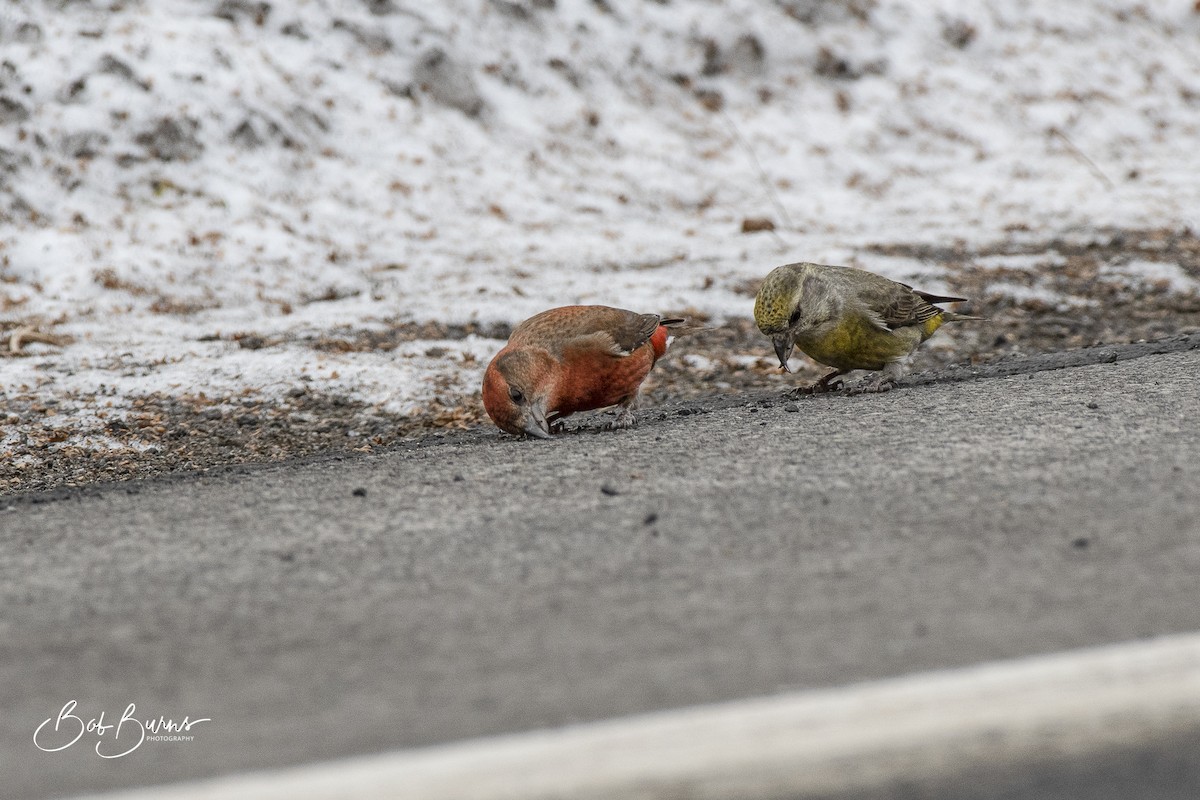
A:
(535, 422)
(783, 348)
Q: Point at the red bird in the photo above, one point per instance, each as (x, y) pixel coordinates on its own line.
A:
(574, 358)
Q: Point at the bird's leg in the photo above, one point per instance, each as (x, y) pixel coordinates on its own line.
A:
(624, 419)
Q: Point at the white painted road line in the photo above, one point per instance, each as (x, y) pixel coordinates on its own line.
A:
(823, 741)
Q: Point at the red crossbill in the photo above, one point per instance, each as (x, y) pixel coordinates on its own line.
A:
(569, 359)
(848, 319)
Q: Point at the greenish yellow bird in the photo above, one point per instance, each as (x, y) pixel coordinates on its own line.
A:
(848, 319)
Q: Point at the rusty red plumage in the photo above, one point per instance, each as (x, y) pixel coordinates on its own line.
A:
(571, 359)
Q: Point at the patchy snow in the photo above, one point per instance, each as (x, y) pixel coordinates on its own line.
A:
(1039, 294)
(1021, 261)
(700, 363)
(175, 172)
(1156, 274)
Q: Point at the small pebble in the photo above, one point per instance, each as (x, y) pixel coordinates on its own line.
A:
(791, 408)
(359, 492)
(1093, 404)
(1081, 543)
(650, 519)
(608, 490)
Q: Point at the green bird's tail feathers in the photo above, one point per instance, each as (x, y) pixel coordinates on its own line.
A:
(947, 316)
(950, 316)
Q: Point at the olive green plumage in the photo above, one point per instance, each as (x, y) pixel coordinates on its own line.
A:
(847, 318)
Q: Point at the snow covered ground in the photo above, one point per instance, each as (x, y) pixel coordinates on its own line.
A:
(181, 177)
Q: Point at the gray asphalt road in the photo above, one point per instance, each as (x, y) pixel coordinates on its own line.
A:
(474, 584)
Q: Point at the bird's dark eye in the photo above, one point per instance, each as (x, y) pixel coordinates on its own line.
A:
(795, 317)
(515, 394)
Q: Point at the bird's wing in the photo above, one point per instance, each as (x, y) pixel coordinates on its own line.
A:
(890, 305)
(588, 328)
(634, 331)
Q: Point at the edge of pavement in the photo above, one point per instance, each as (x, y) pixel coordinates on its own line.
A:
(947, 728)
(1013, 365)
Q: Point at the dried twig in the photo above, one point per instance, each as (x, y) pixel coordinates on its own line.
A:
(762, 175)
(1082, 156)
(26, 334)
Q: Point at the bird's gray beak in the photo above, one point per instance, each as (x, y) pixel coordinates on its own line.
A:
(783, 349)
(535, 420)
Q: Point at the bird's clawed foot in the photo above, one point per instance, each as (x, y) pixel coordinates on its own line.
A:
(623, 422)
(830, 383)
(826, 384)
(882, 383)
(553, 429)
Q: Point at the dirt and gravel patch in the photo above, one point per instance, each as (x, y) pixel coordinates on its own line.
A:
(1072, 296)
